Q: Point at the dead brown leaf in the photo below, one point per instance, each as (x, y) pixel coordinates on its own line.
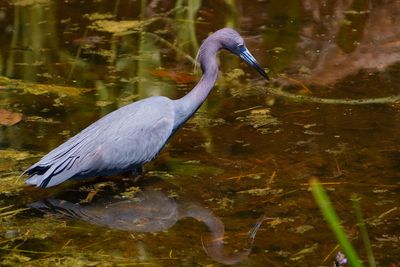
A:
(9, 118)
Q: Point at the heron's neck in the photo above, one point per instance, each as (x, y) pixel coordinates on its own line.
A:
(187, 105)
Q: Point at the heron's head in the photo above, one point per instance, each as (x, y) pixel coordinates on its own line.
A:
(233, 42)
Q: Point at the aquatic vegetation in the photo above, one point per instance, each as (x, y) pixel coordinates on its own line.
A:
(40, 89)
(303, 252)
(11, 184)
(262, 120)
(261, 191)
(201, 121)
(119, 28)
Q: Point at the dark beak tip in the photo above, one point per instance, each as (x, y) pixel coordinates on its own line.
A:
(265, 75)
(248, 57)
(261, 71)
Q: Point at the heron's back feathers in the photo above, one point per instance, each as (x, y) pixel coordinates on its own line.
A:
(118, 142)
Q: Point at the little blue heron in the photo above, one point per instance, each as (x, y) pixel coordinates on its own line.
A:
(125, 139)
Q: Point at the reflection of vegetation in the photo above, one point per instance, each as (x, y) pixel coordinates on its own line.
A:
(186, 30)
(150, 60)
(363, 230)
(231, 20)
(281, 34)
(351, 32)
(357, 36)
(34, 43)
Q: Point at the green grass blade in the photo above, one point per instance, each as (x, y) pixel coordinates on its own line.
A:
(363, 230)
(329, 213)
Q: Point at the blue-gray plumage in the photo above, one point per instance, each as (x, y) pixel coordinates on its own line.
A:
(133, 135)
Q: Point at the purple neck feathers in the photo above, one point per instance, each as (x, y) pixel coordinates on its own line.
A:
(187, 105)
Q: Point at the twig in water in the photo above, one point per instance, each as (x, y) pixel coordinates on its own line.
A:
(271, 179)
(338, 101)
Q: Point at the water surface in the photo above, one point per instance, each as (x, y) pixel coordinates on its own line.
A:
(247, 155)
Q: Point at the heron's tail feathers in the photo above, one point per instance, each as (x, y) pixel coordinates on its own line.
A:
(58, 165)
(52, 174)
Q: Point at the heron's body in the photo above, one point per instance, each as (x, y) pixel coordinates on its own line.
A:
(98, 149)
(129, 137)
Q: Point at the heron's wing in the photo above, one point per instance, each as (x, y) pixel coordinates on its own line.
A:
(131, 135)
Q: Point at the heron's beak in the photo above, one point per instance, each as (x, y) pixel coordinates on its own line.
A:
(245, 54)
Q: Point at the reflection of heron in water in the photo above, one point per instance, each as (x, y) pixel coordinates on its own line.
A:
(152, 211)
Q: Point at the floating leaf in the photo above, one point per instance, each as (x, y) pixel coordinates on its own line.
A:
(9, 118)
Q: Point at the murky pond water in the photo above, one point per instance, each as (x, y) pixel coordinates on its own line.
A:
(232, 186)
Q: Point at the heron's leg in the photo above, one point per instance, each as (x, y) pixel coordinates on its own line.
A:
(137, 173)
(138, 170)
